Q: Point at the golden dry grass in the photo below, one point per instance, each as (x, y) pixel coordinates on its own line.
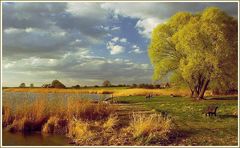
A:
(86, 122)
(111, 122)
(80, 132)
(7, 115)
(151, 128)
(111, 90)
(56, 125)
(50, 115)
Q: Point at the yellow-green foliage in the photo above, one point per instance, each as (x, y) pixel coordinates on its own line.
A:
(197, 48)
(150, 128)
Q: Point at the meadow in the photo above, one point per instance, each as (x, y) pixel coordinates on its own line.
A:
(193, 127)
(128, 119)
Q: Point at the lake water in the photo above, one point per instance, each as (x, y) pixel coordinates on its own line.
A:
(32, 96)
(33, 139)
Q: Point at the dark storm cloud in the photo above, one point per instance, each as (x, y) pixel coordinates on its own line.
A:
(47, 21)
(164, 10)
(87, 26)
(35, 15)
(52, 43)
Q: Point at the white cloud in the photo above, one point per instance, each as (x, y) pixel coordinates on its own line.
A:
(11, 30)
(9, 65)
(136, 50)
(145, 26)
(115, 39)
(123, 40)
(92, 10)
(134, 46)
(115, 28)
(148, 14)
(115, 49)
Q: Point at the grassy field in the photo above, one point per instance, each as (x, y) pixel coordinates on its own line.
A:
(130, 119)
(194, 128)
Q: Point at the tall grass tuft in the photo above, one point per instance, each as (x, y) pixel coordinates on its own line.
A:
(150, 128)
(111, 123)
(80, 132)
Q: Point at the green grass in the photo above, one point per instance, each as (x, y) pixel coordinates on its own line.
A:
(194, 128)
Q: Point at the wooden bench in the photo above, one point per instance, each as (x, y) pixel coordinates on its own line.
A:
(148, 96)
(211, 110)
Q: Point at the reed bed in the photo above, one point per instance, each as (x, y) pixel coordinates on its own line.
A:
(50, 115)
(83, 121)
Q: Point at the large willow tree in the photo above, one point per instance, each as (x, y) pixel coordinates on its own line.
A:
(200, 50)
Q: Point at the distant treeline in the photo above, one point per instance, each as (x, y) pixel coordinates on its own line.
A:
(106, 83)
(142, 85)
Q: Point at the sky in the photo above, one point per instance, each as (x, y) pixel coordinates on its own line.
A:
(84, 43)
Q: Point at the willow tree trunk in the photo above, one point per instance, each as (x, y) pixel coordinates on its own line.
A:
(203, 89)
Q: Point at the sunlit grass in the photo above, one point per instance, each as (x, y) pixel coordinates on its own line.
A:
(193, 127)
(116, 91)
(151, 128)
